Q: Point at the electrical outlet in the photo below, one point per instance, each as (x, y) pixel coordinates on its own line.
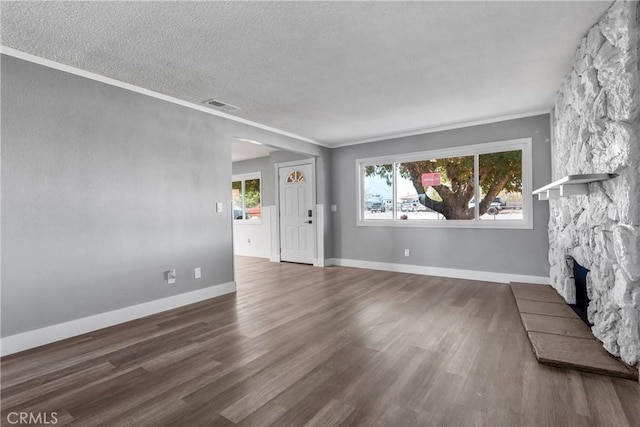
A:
(407, 252)
(197, 273)
(170, 276)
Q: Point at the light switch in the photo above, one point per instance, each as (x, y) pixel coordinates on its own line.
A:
(170, 276)
(334, 208)
(218, 206)
(197, 273)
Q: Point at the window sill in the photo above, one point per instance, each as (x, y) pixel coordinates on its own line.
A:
(489, 224)
(246, 222)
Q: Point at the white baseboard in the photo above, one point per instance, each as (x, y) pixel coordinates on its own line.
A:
(318, 261)
(253, 254)
(274, 256)
(485, 276)
(37, 337)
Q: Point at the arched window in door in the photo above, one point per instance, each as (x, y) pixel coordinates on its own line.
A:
(295, 177)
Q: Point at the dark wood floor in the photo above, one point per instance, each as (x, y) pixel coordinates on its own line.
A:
(300, 345)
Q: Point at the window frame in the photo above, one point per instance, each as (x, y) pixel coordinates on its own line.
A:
(524, 144)
(242, 178)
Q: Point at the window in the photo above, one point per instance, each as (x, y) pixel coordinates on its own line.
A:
(294, 177)
(440, 188)
(246, 197)
(378, 184)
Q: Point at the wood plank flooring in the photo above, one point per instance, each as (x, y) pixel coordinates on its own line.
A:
(299, 345)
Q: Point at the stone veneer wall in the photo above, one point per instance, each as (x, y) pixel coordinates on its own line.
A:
(596, 131)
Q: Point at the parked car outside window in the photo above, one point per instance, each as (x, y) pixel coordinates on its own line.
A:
(378, 207)
(497, 203)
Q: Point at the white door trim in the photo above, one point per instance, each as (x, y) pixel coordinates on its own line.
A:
(319, 259)
(318, 246)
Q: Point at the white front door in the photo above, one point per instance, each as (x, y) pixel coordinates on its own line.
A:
(297, 213)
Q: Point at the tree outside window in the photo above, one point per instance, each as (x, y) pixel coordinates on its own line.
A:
(246, 198)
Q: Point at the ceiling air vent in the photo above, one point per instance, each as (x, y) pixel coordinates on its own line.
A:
(215, 103)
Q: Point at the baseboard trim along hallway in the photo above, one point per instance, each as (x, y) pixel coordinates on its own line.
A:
(37, 337)
(454, 273)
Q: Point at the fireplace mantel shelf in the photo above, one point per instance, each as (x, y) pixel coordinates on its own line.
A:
(571, 185)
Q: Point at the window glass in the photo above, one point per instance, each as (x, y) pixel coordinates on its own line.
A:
(246, 198)
(378, 192)
(236, 197)
(252, 199)
(500, 178)
(295, 176)
(438, 189)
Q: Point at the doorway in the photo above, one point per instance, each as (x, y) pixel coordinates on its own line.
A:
(297, 211)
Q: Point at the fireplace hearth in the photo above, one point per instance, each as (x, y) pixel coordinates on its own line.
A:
(559, 337)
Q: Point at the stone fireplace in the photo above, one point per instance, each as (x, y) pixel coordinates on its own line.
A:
(596, 130)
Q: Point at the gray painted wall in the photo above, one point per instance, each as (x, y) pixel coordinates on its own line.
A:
(498, 250)
(103, 190)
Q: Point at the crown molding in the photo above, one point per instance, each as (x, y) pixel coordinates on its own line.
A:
(441, 128)
(133, 88)
(127, 86)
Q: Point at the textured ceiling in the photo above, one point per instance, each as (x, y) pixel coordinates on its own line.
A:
(336, 72)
